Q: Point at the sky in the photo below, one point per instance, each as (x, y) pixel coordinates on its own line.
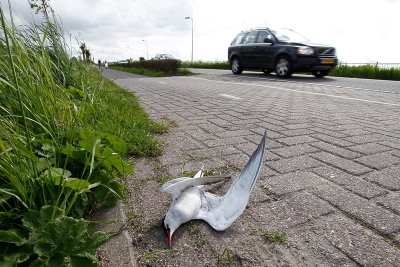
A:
(362, 31)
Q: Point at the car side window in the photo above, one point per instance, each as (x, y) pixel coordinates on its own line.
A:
(239, 38)
(250, 37)
(262, 35)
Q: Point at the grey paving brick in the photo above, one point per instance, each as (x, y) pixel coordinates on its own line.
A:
(341, 163)
(332, 140)
(350, 182)
(296, 132)
(365, 138)
(292, 182)
(296, 140)
(391, 144)
(368, 212)
(369, 148)
(289, 213)
(296, 150)
(389, 178)
(380, 160)
(224, 142)
(329, 132)
(391, 201)
(362, 246)
(229, 134)
(294, 164)
(343, 152)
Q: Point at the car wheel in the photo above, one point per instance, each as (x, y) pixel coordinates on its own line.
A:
(283, 67)
(236, 67)
(266, 71)
(320, 73)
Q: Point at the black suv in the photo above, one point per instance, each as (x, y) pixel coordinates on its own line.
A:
(283, 51)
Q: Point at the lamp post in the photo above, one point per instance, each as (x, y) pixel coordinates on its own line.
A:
(192, 34)
(147, 51)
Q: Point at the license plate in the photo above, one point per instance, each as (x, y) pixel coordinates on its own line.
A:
(327, 61)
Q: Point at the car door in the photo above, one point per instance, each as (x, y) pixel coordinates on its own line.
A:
(263, 49)
(248, 49)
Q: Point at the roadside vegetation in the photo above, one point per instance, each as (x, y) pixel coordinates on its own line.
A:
(367, 71)
(66, 136)
(153, 68)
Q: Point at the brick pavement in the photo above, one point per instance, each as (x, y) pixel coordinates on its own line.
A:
(332, 164)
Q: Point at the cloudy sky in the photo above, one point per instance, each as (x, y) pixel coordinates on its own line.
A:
(362, 31)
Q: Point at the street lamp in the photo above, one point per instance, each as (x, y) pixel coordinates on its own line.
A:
(147, 51)
(192, 35)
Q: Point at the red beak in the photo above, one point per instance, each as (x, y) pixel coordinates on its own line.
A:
(169, 238)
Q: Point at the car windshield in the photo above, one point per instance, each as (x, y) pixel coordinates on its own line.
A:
(287, 35)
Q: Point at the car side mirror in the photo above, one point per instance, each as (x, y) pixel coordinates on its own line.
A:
(268, 40)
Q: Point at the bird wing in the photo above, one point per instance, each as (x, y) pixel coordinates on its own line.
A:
(221, 212)
(177, 185)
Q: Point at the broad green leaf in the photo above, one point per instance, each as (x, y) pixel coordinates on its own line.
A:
(91, 144)
(56, 260)
(35, 221)
(79, 261)
(117, 143)
(13, 259)
(15, 236)
(57, 172)
(77, 184)
(114, 161)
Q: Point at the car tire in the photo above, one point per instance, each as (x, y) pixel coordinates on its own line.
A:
(266, 71)
(283, 67)
(320, 73)
(236, 66)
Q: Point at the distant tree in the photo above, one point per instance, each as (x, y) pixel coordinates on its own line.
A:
(83, 48)
(141, 58)
(87, 54)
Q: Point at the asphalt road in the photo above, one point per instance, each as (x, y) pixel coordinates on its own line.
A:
(330, 180)
(351, 83)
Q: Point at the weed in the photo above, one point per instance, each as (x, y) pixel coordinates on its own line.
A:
(220, 256)
(150, 255)
(200, 241)
(274, 237)
(267, 192)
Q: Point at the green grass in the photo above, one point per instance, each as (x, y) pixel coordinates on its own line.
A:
(65, 136)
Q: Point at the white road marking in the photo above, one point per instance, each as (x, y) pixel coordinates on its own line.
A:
(229, 96)
(299, 91)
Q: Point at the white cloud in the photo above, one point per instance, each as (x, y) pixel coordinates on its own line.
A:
(362, 31)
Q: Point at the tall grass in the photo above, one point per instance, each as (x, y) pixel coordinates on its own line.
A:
(63, 134)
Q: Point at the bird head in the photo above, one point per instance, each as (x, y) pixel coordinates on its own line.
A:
(170, 225)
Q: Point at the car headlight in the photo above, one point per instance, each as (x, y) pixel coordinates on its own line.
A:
(305, 50)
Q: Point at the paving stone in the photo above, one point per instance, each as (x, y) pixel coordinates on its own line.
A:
(341, 163)
(391, 201)
(224, 142)
(343, 152)
(389, 178)
(331, 133)
(350, 182)
(294, 164)
(296, 150)
(296, 140)
(333, 140)
(292, 182)
(361, 245)
(363, 210)
(289, 213)
(369, 148)
(296, 132)
(391, 144)
(365, 138)
(379, 161)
